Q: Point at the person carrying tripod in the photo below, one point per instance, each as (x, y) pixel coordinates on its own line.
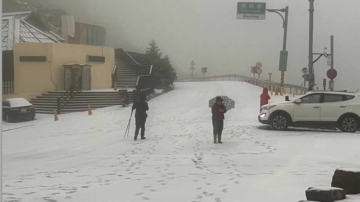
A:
(140, 115)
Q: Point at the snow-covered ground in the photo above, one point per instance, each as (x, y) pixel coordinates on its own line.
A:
(86, 158)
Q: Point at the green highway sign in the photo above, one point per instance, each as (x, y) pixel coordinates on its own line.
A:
(251, 11)
(283, 61)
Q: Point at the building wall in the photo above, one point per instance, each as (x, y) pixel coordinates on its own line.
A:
(86, 33)
(36, 78)
(32, 78)
(70, 53)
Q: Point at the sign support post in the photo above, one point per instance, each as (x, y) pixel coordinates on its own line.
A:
(311, 43)
(192, 69)
(332, 62)
(283, 52)
(257, 11)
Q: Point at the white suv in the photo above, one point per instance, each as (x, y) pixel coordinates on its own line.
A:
(334, 109)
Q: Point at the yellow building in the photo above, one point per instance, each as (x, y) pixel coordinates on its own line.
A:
(34, 59)
(39, 68)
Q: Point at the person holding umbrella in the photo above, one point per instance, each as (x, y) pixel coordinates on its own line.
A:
(140, 115)
(218, 110)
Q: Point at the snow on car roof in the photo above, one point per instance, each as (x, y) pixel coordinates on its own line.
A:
(333, 92)
(19, 102)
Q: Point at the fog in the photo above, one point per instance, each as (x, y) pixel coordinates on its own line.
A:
(208, 32)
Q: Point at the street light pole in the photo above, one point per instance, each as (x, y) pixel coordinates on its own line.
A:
(285, 26)
(311, 43)
(332, 61)
(285, 41)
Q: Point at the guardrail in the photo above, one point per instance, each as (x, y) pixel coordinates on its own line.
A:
(257, 82)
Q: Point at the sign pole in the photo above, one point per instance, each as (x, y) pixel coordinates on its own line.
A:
(192, 69)
(285, 41)
(311, 43)
(283, 54)
(332, 62)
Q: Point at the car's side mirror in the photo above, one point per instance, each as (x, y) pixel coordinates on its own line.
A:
(287, 98)
(298, 101)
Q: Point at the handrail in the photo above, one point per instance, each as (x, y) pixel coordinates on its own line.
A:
(130, 57)
(243, 78)
(114, 69)
(67, 97)
(151, 69)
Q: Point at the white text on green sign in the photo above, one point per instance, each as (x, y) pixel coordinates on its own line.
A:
(251, 10)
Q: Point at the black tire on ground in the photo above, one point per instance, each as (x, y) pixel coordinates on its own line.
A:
(347, 179)
(349, 124)
(280, 121)
(325, 194)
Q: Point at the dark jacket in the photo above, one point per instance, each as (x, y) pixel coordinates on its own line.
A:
(217, 115)
(264, 97)
(141, 108)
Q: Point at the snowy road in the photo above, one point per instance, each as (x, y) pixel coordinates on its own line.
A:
(86, 158)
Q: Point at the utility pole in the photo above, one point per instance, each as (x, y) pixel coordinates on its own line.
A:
(285, 41)
(332, 62)
(311, 43)
(285, 26)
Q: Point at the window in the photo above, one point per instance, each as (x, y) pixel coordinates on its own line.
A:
(32, 58)
(95, 36)
(89, 37)
(328, 98)
(102, 39)
(348, 97)
(6, 104)
(95, 59)
(85, 35)
(311, 99)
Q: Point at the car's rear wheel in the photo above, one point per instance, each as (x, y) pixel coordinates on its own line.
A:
(349, 124)
(280, 121)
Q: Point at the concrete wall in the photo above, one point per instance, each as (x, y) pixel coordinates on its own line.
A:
(35, 78)
(32, 78)
(70, 53)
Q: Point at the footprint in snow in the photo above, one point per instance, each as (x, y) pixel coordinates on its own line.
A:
(218, 199)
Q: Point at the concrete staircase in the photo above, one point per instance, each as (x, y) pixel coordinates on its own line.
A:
(47, 103)
(125, 76)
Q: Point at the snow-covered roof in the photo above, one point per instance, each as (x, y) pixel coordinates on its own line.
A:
(19, 15)
(16, 30)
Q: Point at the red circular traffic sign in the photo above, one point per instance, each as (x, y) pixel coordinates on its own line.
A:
(259, 64)
(331, 73)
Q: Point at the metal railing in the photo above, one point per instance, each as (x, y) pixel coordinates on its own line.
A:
(114, 76)
(139, 69)
(254, 81)
(68, 95)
